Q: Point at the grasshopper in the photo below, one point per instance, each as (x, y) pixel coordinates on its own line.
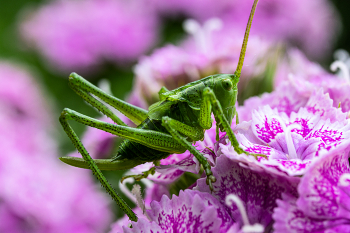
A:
(169, 126)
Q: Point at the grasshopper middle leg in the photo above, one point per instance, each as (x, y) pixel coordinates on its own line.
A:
(174, 127)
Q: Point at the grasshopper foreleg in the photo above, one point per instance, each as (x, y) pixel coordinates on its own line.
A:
(211, 103)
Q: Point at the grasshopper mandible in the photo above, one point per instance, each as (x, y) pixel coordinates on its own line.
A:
(169, 126)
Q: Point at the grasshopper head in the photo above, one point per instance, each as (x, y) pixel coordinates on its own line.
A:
(225, 90)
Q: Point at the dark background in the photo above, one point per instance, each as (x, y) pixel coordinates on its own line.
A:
(344, 10)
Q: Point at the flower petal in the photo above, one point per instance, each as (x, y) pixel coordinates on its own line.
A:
(191, 211)
(258, 189)
(318, 189)
(288, 218)
(322, 105)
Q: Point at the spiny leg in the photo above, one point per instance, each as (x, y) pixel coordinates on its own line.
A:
(150, 138)
(96, 171)
(102, 164)
(98, 105)
(189, 131)
(84, 87)
(210, 103)
(209, 98)
(172, 127)
(194, 134)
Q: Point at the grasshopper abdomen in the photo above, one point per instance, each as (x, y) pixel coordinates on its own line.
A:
(136, 151)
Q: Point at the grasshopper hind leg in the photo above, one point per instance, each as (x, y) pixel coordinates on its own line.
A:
(68, 115)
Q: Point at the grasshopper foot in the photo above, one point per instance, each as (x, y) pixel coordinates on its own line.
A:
(258, 155)
(241, 151)
(211, 179)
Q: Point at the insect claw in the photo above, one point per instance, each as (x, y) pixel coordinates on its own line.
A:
(210, 179)
(258, 155)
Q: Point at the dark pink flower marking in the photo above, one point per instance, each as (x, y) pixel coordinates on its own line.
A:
(330, 138)
(258, 149)
(293, 164)
(269, 131)
(298, 138)
(315, 110)
(170, 176)
(319, 191)
(285, 105)
(304, 123)
(322, 198)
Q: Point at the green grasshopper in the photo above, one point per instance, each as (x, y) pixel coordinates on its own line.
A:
(169, 126)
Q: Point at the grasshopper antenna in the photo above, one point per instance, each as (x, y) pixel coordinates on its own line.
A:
(245, 41)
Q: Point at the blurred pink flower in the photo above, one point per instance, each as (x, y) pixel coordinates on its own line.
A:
(43, 195)
(25, 118)
(311, 25)
(81, 34)
(297, 68)
(20, 95)
(296, 80)
(38, 193)
(208, 50)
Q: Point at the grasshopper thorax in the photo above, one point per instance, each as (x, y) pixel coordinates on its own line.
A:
(224, 87)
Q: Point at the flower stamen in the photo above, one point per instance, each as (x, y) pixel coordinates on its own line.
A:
(131, 180)
(341, 55)
(136, 191)
(343, 68)
(126, 191)
(256, 228)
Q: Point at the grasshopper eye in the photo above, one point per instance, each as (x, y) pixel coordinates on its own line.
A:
(227, 84)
